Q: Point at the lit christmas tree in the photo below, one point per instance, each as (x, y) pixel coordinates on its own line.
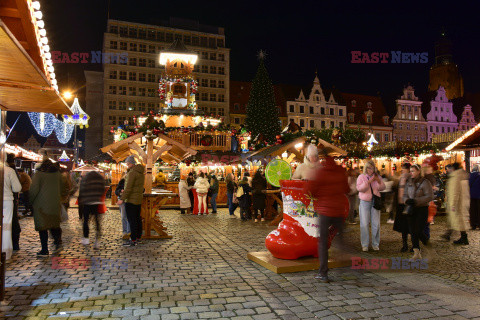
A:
(262, 112)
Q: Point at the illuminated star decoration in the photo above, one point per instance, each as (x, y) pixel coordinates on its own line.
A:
(79, 118)
(262, 54)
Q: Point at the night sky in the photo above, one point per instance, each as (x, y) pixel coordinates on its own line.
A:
(298, 36)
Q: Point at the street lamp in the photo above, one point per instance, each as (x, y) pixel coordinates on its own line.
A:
(78, 118)
(67, 95)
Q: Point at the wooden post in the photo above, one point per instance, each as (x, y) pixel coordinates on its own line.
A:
(149, 167)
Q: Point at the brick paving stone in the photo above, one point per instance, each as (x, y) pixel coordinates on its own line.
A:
(203, 270)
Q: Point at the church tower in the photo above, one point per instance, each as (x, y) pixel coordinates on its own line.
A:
(444, 71)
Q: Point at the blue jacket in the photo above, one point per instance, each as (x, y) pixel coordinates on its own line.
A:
(474, 182)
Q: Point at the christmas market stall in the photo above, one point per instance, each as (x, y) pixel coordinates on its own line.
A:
(27, 75)
(469, 143)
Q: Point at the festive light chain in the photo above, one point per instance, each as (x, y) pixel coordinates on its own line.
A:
(44, 123)
(63, 131)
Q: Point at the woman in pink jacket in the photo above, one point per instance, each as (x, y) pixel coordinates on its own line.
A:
(366, 182)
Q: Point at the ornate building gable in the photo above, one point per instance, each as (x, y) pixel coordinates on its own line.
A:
(468, 118)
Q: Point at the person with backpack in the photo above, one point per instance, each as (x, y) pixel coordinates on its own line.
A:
(244, 199)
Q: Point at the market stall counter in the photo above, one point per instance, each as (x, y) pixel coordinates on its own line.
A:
(152, 202)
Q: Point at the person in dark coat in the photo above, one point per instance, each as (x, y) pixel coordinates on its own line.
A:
(123, 211)
(15, 220)
(259, 185)
(191, 183)
(330, 188)
(474, 182)
(231, 186)
(401, 221)
(90, 196)
(45, 195)
(244, 198)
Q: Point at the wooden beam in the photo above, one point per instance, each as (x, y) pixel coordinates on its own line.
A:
(160, 151)
(296, 153)
(121, 142)
(133, 145)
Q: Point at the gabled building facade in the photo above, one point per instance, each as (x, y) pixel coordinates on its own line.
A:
(441, 118)
(468, 119)
(409, 123)
(318, 111)
(368, 114)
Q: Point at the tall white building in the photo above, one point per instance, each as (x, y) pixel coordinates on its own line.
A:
(130, 86)
(317, 111)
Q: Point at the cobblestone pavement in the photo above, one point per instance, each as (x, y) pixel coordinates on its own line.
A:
(203, 273)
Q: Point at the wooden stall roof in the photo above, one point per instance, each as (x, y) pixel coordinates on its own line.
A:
(164, 147)
(469, 141)
(278, 150)
(23, 85)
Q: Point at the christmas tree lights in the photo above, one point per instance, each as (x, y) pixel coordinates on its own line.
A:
(262, 113)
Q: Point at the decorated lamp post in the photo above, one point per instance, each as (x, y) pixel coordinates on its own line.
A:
(78, 118)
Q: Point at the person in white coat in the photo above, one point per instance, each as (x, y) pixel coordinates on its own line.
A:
(183, 193)
(11, 185)
(306, 171)
(202, 185)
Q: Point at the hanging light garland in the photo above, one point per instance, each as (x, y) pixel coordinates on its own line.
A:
(44, 123)
(63, 131)
(79, 117)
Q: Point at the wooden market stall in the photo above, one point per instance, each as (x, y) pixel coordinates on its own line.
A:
(27, 82)
(469, 143)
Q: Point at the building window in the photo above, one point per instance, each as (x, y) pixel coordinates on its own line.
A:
(122, 90)
(151, 77)
(151, 92)
(113, 29)
(409, 108)
(151, 49)
(221, 70)
(386, 137)
(213, 111)
(205, 55)
(443, 129)
(221, 57)
(378, 137)
(133, 47)
(302, 123)
(332, 124)
(400, 126)
(340, 112)
(204, 69)
(132, 76)
(312, 110)
(340, 125)
(213, 56)
(236, 107)
(369, 118)
(221, 98)
(354, 103)
(332, 111)
(112, 120)
(416, 138)
(323, 124)
(112, 89)
(123, 46)
(122, 105)
(416, 117)
(142, 62)
(302, 109)
(132, 91)
(123, 75)
(322, 110)
(292, 108)
(142, 92)
(221, 84)
(422, 138)
(151, 63)
(351, 117)
(113, 74)
(204, 96)
(448, 129)
(213, 97)
(112, 105)
(213, 69)
(204, 82)
(132, 62)
(416, 127)
(131, 106)
(312, 124)
(408, 127)
(113, 44)
(236, 120)
(403, 108)
(213, 83)
(436, 129)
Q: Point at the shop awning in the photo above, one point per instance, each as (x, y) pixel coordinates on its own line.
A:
(469, 141)
(23, 86)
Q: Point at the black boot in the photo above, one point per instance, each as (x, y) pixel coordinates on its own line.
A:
(447, 234)
(405, 245)
(463, 239)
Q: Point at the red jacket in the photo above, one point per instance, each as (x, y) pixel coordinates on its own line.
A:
(329, 188)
